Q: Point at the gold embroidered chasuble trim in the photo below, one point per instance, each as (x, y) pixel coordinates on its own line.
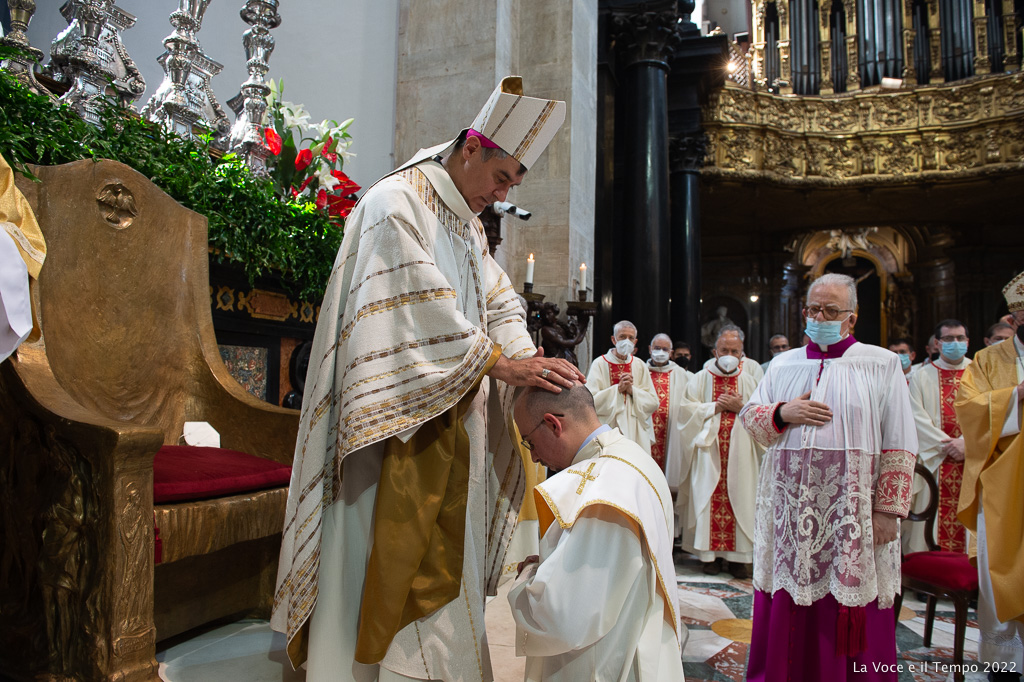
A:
(368, 412)
(548, 512)
(18, 220)
(419, 528)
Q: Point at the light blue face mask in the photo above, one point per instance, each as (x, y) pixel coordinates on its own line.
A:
(904, 360)
(954, 350)
(825, 333)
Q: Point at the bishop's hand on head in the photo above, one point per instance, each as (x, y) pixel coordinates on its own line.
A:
(552, 374)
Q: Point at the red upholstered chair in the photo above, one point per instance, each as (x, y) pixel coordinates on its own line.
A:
(940, 575)
(92, 409)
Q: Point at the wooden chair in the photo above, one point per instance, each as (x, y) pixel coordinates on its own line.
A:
(940, 575)
(123, 354)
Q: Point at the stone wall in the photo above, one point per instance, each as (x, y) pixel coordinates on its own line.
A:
(451, 56)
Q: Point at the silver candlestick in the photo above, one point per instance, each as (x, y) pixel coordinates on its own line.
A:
(251, 103)
(22, 67)
(185, 98)
(90, 57)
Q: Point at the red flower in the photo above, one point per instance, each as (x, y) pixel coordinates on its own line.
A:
(321, 199)
(304, 158)
(306, 182)
(326, 151)
(273, 141)
(347, 186)
(339, 206)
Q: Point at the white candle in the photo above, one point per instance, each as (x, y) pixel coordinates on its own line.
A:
(529, 269)
(583, 276)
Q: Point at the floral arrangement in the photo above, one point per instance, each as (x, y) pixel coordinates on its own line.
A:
(251, 222)
(308, 165)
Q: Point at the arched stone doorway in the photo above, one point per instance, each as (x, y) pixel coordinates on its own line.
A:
(878, 258)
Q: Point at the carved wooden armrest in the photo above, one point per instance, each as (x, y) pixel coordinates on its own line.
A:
(246, 423)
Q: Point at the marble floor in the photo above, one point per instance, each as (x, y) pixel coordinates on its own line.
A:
(716, 610)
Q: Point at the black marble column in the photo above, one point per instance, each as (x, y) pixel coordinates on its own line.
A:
(645, 41)
(794, 289)
(687, 157)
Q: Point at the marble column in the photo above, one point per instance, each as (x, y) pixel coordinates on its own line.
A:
(647, 40)
(794, 289)
(687, 157)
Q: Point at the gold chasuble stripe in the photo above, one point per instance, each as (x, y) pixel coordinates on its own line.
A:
(419, 528)
(994, 465)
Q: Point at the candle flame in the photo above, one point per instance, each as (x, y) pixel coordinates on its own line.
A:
(531, 257)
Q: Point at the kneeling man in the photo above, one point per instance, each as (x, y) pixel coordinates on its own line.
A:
(600, 600)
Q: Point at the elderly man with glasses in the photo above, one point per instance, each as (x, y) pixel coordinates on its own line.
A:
(838, 474)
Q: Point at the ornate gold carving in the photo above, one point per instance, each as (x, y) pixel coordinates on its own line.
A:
(117, 205)
(48, 527)
(268, 305)
(928, 132)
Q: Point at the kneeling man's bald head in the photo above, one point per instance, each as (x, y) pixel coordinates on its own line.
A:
(554, 425)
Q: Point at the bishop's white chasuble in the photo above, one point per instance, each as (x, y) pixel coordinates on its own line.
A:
(602, 603)
(406, 483)
(933, 391)
(722, 466)
(630, 414)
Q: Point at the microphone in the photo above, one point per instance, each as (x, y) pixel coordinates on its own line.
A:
(502, 207)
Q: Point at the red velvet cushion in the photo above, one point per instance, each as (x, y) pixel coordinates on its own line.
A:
(183, 472)
(950, 570)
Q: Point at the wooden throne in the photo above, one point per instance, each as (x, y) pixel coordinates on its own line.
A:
(123, 354)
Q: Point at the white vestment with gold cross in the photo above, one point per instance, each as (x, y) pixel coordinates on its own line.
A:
(602, 602)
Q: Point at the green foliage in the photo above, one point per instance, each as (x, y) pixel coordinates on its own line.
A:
(248, 223)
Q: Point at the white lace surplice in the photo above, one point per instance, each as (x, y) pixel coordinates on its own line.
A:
(819, 485)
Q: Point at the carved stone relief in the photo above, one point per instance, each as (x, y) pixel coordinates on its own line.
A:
(834, 140)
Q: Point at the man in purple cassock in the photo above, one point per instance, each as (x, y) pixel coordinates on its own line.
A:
(835, 481)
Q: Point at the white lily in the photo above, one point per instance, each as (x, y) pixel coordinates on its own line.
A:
(325, 179)
(324, 128)
(295, 115)
(343, 151)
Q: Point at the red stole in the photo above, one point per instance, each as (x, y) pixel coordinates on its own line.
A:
(952, 536)
(723, 519)
(662, 382)
(617, 369)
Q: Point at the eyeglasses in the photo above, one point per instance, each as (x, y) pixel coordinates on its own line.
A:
(951, 339)
(829, 312)
(527, 444)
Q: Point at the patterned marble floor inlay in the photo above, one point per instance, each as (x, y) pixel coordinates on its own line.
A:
(717, 611)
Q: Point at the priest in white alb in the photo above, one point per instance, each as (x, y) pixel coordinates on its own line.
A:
(721, 460)
(835, 481)
(669, 380)
(406, 482)
(622, 388)
(933, 391)
(600, 601)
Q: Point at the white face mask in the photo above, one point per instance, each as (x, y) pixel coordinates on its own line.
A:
(728, 363)
(624, 347)
(659, 355)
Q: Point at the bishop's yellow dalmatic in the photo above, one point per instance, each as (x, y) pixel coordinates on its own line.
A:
(995, 464)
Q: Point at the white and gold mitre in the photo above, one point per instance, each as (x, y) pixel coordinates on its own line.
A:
(522, 126)
(1014, 293)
